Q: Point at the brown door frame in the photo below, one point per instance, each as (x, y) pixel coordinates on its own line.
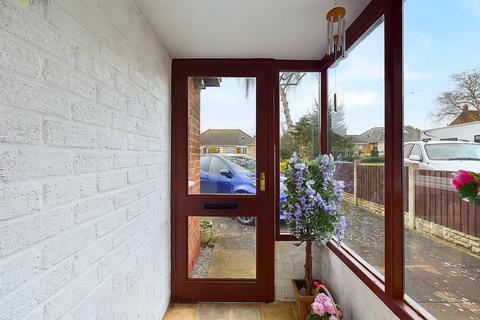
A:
(185, 289)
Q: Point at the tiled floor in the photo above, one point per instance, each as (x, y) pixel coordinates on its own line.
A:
(232, 311)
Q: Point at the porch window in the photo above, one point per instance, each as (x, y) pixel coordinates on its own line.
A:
(299, 121)
(441, 90)
(356, 139)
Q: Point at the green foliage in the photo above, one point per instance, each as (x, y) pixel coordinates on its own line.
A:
(212, 149)
(372, 159)
(313, 316)
(341, 147)
(303, 137)
(374, 152)
(469, 191)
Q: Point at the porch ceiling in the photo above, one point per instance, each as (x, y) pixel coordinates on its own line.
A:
(282, 29)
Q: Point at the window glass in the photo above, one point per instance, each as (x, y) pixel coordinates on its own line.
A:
(204, 162)
(457, 151)
(299, 121)
(216, 165)
(407, 149)
(356, 140)
(221, 121)
(416, 151)
(224, 248)
(441, 105)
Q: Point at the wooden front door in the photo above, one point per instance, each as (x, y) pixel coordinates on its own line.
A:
(222, 203)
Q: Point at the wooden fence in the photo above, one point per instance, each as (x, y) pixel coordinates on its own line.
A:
(435, 199)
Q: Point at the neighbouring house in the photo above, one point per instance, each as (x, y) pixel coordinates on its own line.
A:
(466, 116)
(374, 137)
(359, 145)
(227, 141)
(252, 147)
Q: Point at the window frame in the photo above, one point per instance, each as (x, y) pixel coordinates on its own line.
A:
(390, 289)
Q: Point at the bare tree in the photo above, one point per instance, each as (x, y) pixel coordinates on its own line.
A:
(287, 80)
(465, 96)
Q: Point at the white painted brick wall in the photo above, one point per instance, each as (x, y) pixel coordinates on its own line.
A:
(289, 264)
(355, 298)
(84, 162)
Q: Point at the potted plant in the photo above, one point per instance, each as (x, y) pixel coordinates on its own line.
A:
(311, 213)
(205, 231)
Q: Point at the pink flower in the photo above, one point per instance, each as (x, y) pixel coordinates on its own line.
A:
(460, 178)
(329, 307)
(318, 309)
(322, 298)
(333, 317)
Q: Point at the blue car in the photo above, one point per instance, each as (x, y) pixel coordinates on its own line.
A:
(232, 174)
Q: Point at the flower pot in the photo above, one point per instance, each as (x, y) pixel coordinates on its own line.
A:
(206, 232)
(303, 301)
(206, 235)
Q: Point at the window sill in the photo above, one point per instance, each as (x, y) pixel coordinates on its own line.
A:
(401, 308)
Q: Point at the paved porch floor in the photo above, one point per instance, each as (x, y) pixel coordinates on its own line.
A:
(232, 311)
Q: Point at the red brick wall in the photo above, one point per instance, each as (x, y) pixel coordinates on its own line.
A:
(193, 168)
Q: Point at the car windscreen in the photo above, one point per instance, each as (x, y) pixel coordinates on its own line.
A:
(242, 163)
(453, 151)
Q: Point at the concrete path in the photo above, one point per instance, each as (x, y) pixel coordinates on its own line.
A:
(441, 277)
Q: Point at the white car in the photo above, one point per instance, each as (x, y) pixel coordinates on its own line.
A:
(443, 155)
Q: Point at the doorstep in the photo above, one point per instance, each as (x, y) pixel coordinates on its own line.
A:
(232, 311)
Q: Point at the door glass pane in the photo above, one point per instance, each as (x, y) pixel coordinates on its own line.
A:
(441, 120)
(299, 122)
(356, 140)
(221, 135)
(222, 247)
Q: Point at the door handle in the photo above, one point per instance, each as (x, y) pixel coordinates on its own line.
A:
(262, 181)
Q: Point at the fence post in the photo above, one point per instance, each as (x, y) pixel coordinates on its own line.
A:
(412, 176)
(355, 184)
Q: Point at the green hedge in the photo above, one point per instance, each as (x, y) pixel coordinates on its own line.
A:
(373, 160)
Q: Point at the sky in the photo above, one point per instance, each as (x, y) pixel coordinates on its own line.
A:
(228, 106)
(440, 38)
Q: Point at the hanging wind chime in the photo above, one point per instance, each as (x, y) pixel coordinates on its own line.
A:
(336, 38)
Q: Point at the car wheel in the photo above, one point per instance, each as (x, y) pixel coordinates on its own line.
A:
(247, 221)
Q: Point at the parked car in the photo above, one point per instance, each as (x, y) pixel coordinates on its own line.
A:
(231, 174)
(443, 155)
